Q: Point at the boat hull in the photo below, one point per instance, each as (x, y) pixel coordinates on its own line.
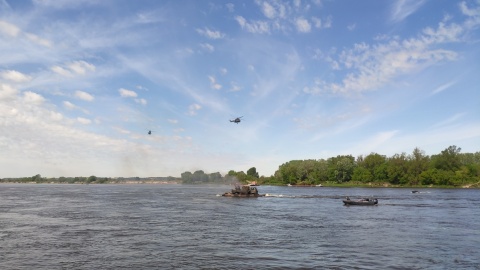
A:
(228, 194)
(366, 203)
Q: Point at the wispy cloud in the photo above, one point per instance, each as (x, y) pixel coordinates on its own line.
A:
(83, 95)
(193, 109)
(212, 34)
(372, 66)
(401, 9)
(214, 84)
(303, 25)
(14, 76)
(73, 68)
(283, 16)
(256, 27)
(448, 121)
(9, 29)
(127, 93)
(442, 88)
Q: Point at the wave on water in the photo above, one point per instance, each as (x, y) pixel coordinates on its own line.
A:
(279, 195)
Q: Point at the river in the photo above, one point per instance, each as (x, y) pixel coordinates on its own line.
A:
(191, 227)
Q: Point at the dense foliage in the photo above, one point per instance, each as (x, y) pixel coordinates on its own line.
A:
(449, 168)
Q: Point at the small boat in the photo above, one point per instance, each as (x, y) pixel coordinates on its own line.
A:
(243, 191)
(365, 201)
(414, 191)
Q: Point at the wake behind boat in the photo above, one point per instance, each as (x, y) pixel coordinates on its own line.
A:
(365, 201)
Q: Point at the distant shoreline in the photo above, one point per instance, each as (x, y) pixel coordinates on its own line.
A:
(469, 186)
(106, 183)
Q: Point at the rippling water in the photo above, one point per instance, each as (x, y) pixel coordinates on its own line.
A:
(191, 227)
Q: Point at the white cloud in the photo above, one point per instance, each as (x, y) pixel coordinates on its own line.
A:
(268, 10)
(7, 92)
(210, 33)
(403, 8)
(127, 93)
(14, 76)
(256, 27)
(207, 47)
(61, 71)
(371, 66)
(230, 7)
(449, 120)
(69, 105)
(224, 71)
(317, 22)
(273, 9)
(83, 96)
(351, 27)
(84, 121)
(279, 16)
(235, 87)
(173, 121)
(442, 88)
(303, 25)
(38, 40)
(141, 101)
(214, 84)
(9, 29)
(34, 98)
(56, 116)
(81, 67)
(73, 68)
(192, 109)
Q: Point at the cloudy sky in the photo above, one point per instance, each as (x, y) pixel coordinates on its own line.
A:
(82, 82)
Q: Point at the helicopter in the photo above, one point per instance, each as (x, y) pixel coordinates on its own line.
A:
(236, 120)
(149, 132)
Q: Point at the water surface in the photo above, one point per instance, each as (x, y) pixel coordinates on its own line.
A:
(191, 227)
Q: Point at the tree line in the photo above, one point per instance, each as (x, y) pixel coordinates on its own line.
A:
(449, 168)
(200, 177)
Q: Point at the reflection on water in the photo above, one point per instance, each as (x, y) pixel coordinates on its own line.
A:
(191, 227)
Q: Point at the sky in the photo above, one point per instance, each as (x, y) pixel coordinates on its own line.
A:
(82, 82)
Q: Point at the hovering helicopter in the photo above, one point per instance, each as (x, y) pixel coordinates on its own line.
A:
(236, 120)
(149, 132)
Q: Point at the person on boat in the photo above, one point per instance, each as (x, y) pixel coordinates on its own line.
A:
(348, 198)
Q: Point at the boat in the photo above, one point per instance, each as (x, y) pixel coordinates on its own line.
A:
(414, 191)
(365, 201)
(243, 191)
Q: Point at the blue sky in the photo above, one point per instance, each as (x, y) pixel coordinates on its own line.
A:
(82, 82)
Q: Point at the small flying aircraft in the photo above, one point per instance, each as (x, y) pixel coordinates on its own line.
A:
(236, 120)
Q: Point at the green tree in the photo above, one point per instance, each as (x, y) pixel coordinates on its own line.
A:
(252, 172)
(418, 162)
(372, 161)
(37, 178)
(361, 174)
(186, 177)
(91, 179)
(397, 169)
(344, 169)
(448, 159)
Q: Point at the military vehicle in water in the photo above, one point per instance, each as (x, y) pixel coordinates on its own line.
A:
(243, 191)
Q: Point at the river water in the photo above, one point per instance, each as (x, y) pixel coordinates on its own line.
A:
(192, 227)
